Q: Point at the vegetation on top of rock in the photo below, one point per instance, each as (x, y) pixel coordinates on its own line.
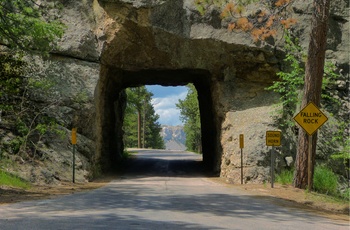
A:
(27, 25)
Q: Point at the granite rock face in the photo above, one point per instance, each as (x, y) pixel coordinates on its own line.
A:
(110, 45)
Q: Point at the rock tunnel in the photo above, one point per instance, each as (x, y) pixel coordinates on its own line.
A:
(143, 46)
(112, 102)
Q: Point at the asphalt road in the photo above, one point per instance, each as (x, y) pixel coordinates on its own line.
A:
(161, 190)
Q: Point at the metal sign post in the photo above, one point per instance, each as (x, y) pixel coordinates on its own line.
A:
(272, 166)
(309, 164)
(241, 145)
(74, 143)
(273, 138)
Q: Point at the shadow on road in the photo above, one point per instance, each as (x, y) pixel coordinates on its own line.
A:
(156, 163)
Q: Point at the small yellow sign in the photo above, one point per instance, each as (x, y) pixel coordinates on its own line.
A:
(310, 118)
(273, 138)
(241, 141)
(74, 136)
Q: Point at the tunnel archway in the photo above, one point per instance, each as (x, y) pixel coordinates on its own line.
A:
(111, 101)
(143, 45)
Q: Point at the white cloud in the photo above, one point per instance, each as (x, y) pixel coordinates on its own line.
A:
(166, 109)
(169, 116)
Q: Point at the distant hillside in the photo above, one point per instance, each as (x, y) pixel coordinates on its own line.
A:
(174, 137)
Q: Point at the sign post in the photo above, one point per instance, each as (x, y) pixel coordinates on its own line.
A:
(74, 142)
(241, 146)
(310, 118)
(273, 138)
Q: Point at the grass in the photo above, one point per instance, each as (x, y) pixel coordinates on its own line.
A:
(285, 177)
(13, 181)
(325, 184)
(325, 181)
(324, 198)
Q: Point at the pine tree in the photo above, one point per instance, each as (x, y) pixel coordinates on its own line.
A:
(312, 88)
(140, 126)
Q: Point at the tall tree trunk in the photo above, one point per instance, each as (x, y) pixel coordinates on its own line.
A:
(312, 88)
(138, 128)
(144, 125)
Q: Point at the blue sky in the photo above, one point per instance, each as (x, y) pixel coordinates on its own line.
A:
(164, 103)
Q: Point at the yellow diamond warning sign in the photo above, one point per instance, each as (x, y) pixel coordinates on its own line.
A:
(310, 118)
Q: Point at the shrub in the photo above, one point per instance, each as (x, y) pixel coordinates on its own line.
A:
(325, 181)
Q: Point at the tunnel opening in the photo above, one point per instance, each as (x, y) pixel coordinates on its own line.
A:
(111, 102)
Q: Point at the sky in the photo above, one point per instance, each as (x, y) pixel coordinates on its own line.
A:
(164, 102)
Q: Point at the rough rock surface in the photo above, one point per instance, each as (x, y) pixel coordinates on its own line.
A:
(108, 42)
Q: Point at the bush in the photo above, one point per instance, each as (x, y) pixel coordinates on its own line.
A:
(325, 181)
(285, 177)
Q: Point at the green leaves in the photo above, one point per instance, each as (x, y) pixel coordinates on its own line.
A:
(189, 114)
(291, 81)
(22, 26)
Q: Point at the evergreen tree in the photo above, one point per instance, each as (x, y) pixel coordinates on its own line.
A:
(140, 126)
(152, 128)
(314, 71)
(189, 110)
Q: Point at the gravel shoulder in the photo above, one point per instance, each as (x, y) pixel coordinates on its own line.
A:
(287, 195)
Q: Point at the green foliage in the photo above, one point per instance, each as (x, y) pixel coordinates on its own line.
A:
(291, 81)
(285, 177)
(343, 154)
(325, 181)
(329, 79)
(25, 25)
(27, 121)
(13, 181)
(14, 145)
(189, 114)
(11, 80)
(139, 102)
